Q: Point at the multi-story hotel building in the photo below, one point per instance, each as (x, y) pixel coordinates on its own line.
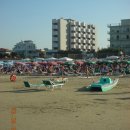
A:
(69, 34)
(120, 35)
(26, 49)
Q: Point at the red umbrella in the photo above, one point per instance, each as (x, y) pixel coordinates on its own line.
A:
(60, 62)
(52, 63)
(42, 63)
(79, 62)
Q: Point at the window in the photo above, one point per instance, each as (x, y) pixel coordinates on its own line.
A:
(127, 37)
(112, 45)
(117, 31)
(55, 48)
(128, 30)
(117, 37)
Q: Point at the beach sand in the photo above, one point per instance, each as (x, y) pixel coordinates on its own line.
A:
(69, 108)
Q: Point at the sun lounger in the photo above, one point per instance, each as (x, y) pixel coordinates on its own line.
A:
(51, 84)
(28, 85)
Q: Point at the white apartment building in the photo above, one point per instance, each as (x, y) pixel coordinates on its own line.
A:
(26, 49)
(69, 34)
(120, 35)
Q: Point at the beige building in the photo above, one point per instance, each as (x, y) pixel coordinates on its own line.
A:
(120, 35)
(69, 34)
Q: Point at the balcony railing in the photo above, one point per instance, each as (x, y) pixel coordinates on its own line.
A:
(73, 46)
(78, 24)
(83, 24)
(55, 39)
(54, 21)
(92, 26)
(55, 45)
(55, 32)
(93, 31)
(114, 24)
(73, 29)
(73, 23)
(73, 34)
(55, 27)
(79, 29)
(73, 40)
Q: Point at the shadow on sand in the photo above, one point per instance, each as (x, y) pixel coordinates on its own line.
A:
(22, 91)
(98, 92)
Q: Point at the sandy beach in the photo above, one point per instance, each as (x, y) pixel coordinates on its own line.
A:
(69, 108)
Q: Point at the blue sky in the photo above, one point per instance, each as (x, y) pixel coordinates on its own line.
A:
(32, 19)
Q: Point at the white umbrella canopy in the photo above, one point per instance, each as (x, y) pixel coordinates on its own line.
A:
(38, 59)
(112, 57)
(26, 60)
(65, 59)
(51, 59)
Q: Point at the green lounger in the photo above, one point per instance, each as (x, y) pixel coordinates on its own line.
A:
(51, 84)
(28, 85)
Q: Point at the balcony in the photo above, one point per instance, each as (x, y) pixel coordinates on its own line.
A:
(55, 39)
(79, 40)
(92, 43)
(73, 23)
(83, 24)
(55, 27)
(73, 46)
(73, 40)
(93, 37)
(55, 45)
(83, 47)
(73, 34)
(84, 35)
(88, 42)
(84, 41)
(54, 21)
(83, 30)
(79, 35)
(79, 29)
(93, 31)
(55, 33)
(92, 26)
(73, 29)
(78, 24)
(114, 24)
(88, 47)
(78, 46)
(88, 31)
(88, 36)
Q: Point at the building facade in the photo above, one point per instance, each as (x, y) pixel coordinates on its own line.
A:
(26, 49)
(120, 35)
(69, 34)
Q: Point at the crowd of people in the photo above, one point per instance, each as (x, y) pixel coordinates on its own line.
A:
(77, 68)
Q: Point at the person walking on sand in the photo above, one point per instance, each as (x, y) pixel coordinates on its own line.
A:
(87, 71)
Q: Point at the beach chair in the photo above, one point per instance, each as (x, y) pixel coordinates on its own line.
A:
(60, 80)
(51, 84)
(28, 85)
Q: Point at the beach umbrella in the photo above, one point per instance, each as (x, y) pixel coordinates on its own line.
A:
(25, 60)
(51, 59)
(60, 62)
(52, 63)
(38, 59)
(42, 63)
(65, 59)
(90, 62)
(79, 62)
(125, 62)
(69, 63)
(112, 57)
(19, 63)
